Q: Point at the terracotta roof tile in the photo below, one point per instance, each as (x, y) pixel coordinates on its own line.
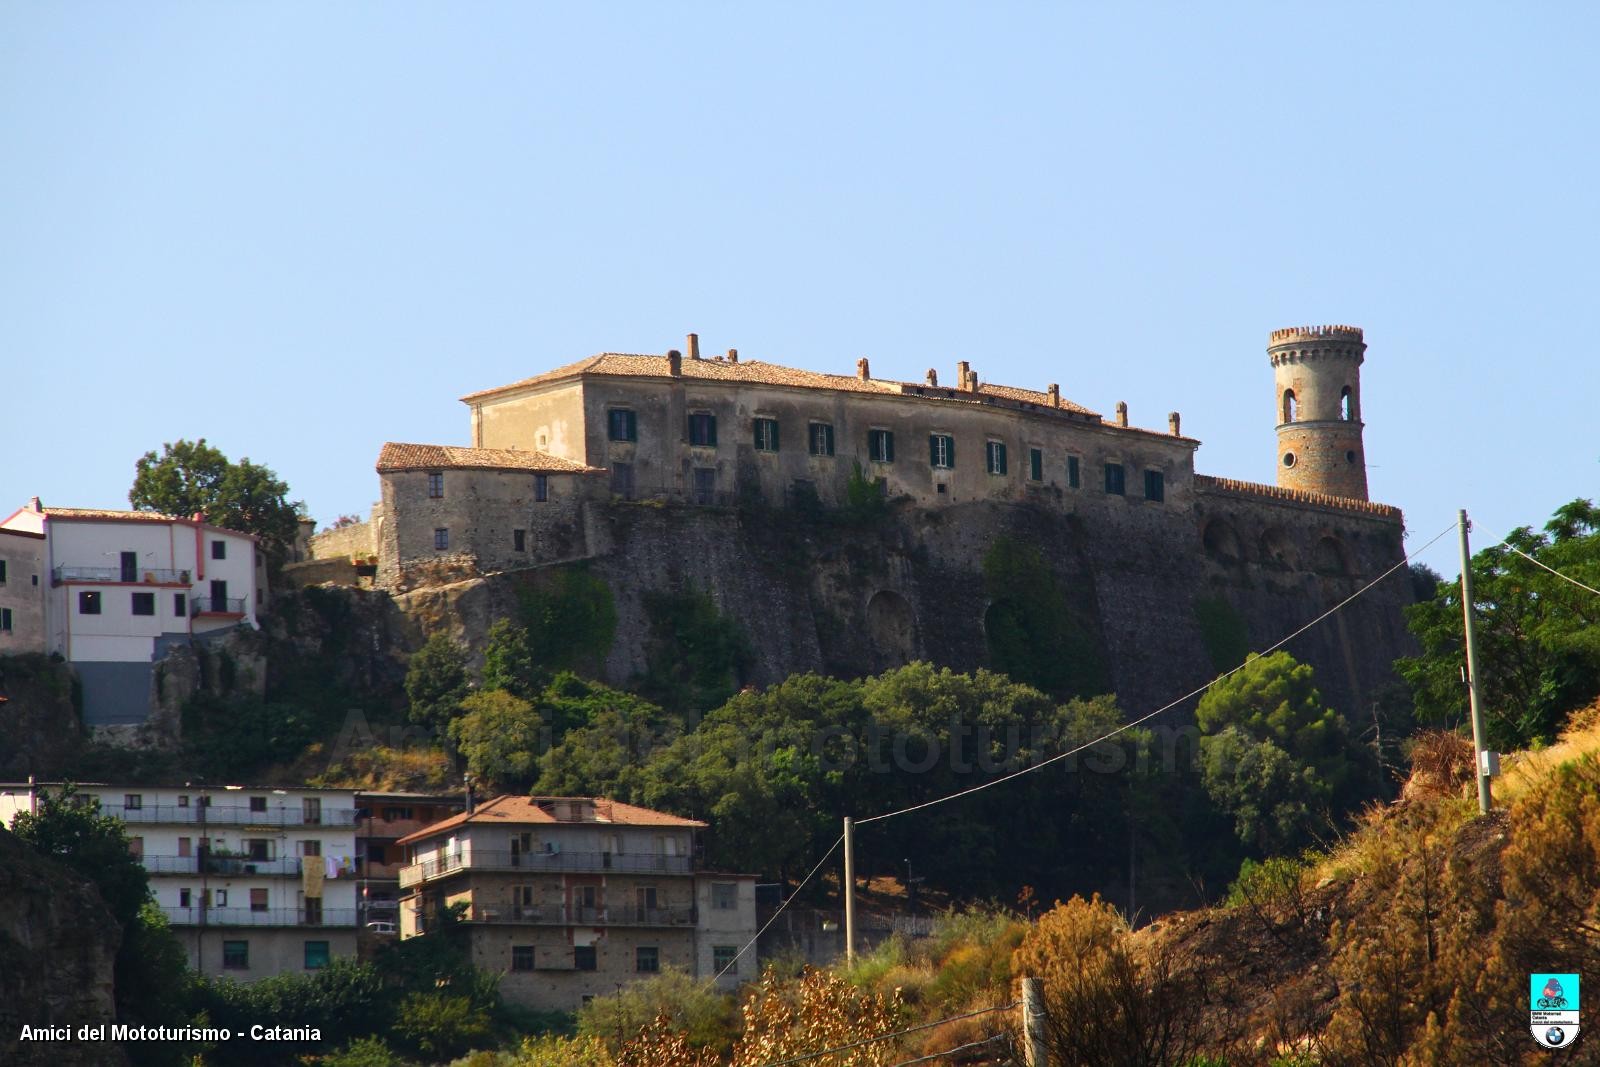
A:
(761, 373)
(510, 810)
(396, 456)
(109, 513)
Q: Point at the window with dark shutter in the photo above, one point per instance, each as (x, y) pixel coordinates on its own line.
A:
(1155, 486)
(821, 436)
(703, 429)
(941, 451)
(766, 431)
(1116, 479)
(880, 446)
(1035, 464)
(1074, 479)
(997, 457)
(622, 425)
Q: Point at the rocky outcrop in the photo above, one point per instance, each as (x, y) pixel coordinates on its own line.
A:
(58, 946)
(39, 727)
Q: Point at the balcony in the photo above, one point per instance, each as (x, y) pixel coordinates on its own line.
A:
(231, 815)
(145, 575)
(197, 916)
(545, 862)
(629, 915)
(223, 866)
(225, 606)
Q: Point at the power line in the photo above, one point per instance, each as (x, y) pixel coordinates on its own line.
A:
(897, 1033)
(969, 1046)
(1552, 570)
(1406, 559)
(774, 918)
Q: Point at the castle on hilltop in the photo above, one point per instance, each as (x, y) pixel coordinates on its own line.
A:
(556, 458)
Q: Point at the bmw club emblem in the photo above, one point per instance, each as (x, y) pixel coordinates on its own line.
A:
(1553, 1009)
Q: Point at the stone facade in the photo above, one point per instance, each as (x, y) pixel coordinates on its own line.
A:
(22, 589)
(1317, 372)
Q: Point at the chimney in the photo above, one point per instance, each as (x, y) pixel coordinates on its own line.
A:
(1055, 395)
(1122, 413)
(933, 377)
(963, 370)
(472, 800)
(694, 346)
(34, 505)
(972, 381)
(675, 363)
(733, 355)
(1172, 423)
(199, 517)
(862, 371)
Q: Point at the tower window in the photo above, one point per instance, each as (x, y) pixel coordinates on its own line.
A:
(1288, 405)
(1347, 405)
(1350, 456)
(1288, 459)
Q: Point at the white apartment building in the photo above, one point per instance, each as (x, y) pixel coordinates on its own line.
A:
(121, 587)
(255, 880)
(570, 897)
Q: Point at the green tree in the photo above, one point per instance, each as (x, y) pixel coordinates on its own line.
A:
(1538, 638)
(1274, 756)
(508, 661)
(501, 736)
(571, 619)
(694, 1006)
(1032, 634)
(436, 681)
(696, 658)
(192, 476)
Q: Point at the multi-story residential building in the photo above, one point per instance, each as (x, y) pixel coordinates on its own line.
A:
(255, 880)
(22, 565)
(568, 897)
(382, 819)
(118, 588)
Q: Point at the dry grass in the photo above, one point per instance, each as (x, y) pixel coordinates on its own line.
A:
(1521, 770)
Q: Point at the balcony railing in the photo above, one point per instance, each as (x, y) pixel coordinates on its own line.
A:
(217, 605)
(537, 862)
(226, 866)
(150, 575)
(230, 815)
(197, 916)
(629, 915)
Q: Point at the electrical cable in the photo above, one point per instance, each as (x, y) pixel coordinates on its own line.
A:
(1552, 570)
(1404, 560)
(774, 917)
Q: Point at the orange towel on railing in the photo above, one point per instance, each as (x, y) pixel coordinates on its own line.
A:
(311, 875)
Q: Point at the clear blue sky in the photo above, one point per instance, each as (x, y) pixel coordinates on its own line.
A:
(300, 230)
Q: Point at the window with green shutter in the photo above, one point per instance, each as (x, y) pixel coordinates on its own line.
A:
(1074, 479)
(766, 435)
(821, 437)
(941, 451)
(997, 457)
(880, 446)
(703, 429)
(1116, 479)
(1036, 464)
(1155, 486)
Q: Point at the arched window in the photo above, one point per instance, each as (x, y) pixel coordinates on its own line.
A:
(1347, 405)
(1288, 405)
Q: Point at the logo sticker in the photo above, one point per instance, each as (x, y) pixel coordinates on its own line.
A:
(1553, 1009)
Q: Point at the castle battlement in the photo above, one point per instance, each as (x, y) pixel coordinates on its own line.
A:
(1297, 334)
(1208, 483)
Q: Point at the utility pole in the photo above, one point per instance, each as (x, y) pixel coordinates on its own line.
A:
(849, 891)
(1480, 766)
(1033, 1046)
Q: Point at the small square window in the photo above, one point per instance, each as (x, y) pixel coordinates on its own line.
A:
(314, 848)
(144, 603)
(766, 435)
(522, 955)
(724, 896)
(316, 955)
(1116, 479)
(258, 900)
(236, 955)
(180, 605)
(820, 436)
(997, 457)
(88, 603)
(435, 485)
(622, 425)
(703, 429)
(1074, 479)
(1155, 486)
(541, 488)
(725, 959)
(647, 959)
(183, 801)
(441, 539)
(184, 898)
(583, 958)
(219, 550)
(258, 803)
(1036, 464)
(132, 801)
(519, 540)
(880, 446)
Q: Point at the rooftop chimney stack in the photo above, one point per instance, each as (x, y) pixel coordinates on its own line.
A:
(694, 346)
(933, 379)
(733, 355)
(1172, 423)
(472, 799)
(1055, 395)
(972, 381)
(862, 371)
(675, 363)
(963, 372)
(1122, 413)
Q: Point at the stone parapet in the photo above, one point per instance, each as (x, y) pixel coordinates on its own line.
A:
(1205, 483)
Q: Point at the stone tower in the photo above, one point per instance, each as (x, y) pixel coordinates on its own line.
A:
(1317, 375)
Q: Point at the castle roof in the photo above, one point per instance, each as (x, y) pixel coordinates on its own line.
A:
(759, 372)
(397, 456)
(511, 810)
